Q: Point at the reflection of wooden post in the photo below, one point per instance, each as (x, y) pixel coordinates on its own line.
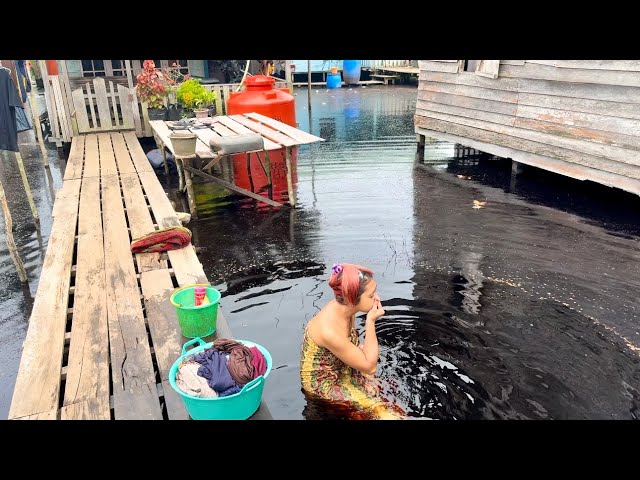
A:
(189, 183)
(420, 152)
(292, 198)
(8, 224)
(27, 189)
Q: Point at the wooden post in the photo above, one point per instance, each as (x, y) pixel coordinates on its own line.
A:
(189, 184)
(292, 198)
(287, 75)
(27, 189)
(420, 151)
(36, 121)
(8, 224)
(309, 87)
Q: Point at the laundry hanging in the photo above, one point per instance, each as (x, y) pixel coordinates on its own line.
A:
(9, 103)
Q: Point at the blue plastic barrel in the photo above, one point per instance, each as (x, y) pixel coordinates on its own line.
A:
(334, 80)
(351, 71)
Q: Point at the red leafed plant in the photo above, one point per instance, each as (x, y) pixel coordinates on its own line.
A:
(150, 88)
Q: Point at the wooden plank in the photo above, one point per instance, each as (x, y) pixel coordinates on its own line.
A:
(140, 160)
(185, 263)
(263, 130)
(599, 107)
(571, 75)
(140, 221)
(202, 147)
(50, 415)
(102, 103)
(556, 165)
(64, 120)
(91, 156)
(468, 102)
(133, 101)
(107, 158)
(488, 68)
(66, 93)
(48, 98)
(117, 120)
(167, 339)
(219, 103)
(126, 107)
(226, 95)
(143, 404)
(175, 406)
(37, 387)
(224, 125)
(80, 110)
(233, 187)
(92, 109)
(503, 96)
(161, 129)
(605, 123)
(123, 159)
(438, 66)
(426, 108)
(88, 363)
(90, 409)
(511, 137)
(299, 136)
(131, 366)
(614, 65)
(222, 130)
(475, 118)
(512, 62)
(75, 162)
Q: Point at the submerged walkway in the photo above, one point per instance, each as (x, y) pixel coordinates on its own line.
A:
(103, 334)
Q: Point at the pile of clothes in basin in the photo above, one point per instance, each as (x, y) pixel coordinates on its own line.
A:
(221, 370)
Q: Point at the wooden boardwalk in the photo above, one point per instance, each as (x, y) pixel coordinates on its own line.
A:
(102, 334)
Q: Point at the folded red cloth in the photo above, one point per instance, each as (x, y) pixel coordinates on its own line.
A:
(163, 240)
(258, 361)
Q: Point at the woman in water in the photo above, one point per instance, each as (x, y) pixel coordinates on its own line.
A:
(334, 367)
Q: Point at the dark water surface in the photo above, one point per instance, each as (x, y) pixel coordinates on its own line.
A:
(524, 308)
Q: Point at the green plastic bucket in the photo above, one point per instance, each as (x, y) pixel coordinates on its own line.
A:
(238, 406)
(195, 321)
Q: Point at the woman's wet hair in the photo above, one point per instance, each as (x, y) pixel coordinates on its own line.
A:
(349, 281)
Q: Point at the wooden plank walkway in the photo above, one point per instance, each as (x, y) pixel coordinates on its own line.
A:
(102, 334)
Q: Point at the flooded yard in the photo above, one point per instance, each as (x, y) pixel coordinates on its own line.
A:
(526, 307)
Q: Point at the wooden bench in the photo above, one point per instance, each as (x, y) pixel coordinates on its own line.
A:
(385, 78)
(102, 334)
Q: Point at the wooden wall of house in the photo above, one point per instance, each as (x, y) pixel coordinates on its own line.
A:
(585, 113)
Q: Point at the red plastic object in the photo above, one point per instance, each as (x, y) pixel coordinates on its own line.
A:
(52, 67)
(261, 97)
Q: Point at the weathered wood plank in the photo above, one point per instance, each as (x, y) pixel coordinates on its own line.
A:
(113, 105)
(92, 109)
(140, 221)
(91, 157)
(575, 75)
(90, 409)
(123, 159)
(75, 161)
(488, 68)
(468, 102)
(435, 66)
(175, 406)
(131, 366)
(299, 136)
(426, 108)
(619, 65)
(556, 165)
(133, 102)
(598, 107)
(107, 159)
(141, 404)
(50, 415)
(140, 160)
(63, 115)
(37, 387)
(263, 130)
(88, 364)
(513, 137)
(103, 104)
(502, 96)
(167, 339)
(126, 107)
(80, 110)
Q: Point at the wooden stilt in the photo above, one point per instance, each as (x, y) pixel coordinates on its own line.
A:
(420, 151)
(27, 189)
(8, 223)
(292, 198)
(188, 177)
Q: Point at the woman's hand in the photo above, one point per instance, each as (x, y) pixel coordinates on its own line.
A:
(376, 311)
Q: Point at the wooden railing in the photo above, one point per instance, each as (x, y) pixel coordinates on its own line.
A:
(389, 63)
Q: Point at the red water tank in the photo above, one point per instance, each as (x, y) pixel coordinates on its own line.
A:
(52, 67)
(261, 97)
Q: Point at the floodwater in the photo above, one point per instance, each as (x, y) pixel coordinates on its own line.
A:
(525, 308)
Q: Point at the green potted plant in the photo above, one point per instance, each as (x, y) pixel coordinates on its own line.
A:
(195, 97)
(173, 78)
(151, 90)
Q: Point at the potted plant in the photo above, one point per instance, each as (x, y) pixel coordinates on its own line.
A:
(195, 97)
(152, 91)
(173, 78)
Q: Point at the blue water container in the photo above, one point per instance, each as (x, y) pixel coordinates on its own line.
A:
(351, 71)
(334, 80)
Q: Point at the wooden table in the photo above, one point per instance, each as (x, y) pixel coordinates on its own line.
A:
(276, 136)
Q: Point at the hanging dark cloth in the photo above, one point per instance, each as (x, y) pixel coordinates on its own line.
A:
(24, 84)
(9, 102)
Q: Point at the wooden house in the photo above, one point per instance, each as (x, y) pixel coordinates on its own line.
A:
(579, 118)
